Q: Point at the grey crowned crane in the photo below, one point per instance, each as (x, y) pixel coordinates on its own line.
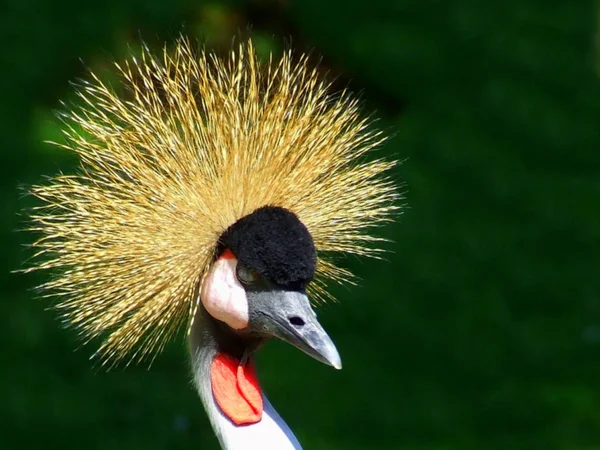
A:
(212, 193)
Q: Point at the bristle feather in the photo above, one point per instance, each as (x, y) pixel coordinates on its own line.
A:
(194, 144)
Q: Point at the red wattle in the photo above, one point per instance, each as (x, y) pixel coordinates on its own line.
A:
(236, 390)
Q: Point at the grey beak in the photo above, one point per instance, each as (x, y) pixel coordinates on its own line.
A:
(288, 316)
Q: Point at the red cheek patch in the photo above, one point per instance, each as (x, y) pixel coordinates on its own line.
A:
(236, 390)
(227, 254)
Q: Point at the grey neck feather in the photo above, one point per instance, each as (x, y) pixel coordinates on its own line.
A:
(271, 433)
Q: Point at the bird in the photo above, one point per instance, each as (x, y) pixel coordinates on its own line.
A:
(214, 194)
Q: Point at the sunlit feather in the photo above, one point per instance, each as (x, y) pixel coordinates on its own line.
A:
(193, 144)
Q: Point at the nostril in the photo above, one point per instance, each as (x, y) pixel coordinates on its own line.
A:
(296, 321)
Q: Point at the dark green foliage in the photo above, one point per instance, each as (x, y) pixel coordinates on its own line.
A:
(480, 331)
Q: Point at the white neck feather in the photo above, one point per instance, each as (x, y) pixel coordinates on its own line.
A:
(271, 433)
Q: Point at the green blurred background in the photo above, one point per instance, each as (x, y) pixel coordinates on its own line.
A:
(480, 331)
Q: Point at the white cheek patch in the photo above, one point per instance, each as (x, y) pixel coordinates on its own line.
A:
(223, 296)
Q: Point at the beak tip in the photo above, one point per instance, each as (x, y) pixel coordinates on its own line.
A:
(333, 359)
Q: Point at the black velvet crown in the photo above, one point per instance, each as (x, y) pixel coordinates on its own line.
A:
(273, 242)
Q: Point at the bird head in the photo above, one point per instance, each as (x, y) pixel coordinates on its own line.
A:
(209, 184)
(257, 285)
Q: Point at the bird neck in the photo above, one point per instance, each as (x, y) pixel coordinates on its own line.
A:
(211, 340)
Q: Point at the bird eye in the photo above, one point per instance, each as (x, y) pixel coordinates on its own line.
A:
(245, 274)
